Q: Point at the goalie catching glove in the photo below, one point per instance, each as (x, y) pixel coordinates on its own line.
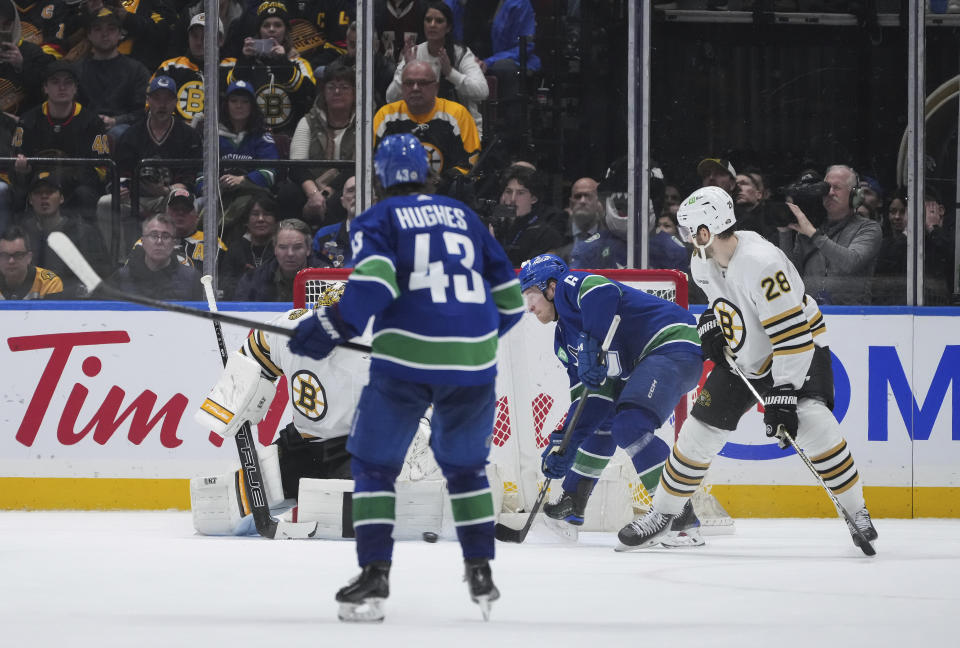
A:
(242, 394)
(780, 413)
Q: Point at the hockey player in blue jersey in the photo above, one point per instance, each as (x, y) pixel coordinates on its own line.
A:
(441, 291)
(653, 362)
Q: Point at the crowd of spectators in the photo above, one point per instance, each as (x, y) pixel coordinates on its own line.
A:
(103, 80)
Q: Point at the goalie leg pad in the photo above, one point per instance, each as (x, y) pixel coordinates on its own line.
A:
(219, 504)
(310, 458)
(328, 502)
(687, 464)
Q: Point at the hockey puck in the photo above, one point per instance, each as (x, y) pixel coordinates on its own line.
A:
(430, 536)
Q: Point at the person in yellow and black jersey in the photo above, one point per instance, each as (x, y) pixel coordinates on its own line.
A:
(19, 278)
(187, 71)
(62, 128)
(283, 80)
(21, 63)
(445, 128)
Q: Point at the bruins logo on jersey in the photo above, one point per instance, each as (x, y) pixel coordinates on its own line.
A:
(275, 104)
(190, 99)
(434, 155)
(307, 395)
(731, 323)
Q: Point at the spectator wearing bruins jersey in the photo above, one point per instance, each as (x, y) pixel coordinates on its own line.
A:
(19, 278)
(21, 64)
(444, 127)
(187, 71)
(62, 128)
(283, 80)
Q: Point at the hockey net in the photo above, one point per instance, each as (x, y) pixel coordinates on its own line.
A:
(532, 401)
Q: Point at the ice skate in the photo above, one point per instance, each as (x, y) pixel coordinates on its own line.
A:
(565, 509)
(684, 530)
(865, 525)
(482, 590)
(644, 531)
(362, 599)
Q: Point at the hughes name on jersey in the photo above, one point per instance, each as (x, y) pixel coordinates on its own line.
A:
(438, 321)
(768, 321)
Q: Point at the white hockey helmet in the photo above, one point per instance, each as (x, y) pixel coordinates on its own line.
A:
(709, 207)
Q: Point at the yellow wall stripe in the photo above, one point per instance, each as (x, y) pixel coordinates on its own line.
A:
(46, 493)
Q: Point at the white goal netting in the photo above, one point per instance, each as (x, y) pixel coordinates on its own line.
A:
(532, 401)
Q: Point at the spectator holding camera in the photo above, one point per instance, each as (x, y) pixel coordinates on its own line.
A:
(532, 227)
(282, 79)
(837, 259)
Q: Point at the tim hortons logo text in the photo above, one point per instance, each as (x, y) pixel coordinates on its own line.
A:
(108, 417)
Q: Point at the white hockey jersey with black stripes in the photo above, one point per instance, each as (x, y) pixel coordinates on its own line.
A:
(323, 393)
(768, 321)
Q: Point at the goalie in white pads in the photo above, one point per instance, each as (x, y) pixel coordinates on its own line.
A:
(323, 397)
(759, 318)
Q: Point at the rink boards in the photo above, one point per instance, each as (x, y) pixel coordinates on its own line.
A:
(96, 410)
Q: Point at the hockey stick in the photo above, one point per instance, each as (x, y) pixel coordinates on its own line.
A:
(506, 534)
(67, 251)
(863, 543)
(267, 525)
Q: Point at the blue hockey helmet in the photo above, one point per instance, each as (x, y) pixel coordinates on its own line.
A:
(400, 159)
(539, 270)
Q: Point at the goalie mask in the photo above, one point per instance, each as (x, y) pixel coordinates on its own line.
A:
(331, 293)
(709, 207)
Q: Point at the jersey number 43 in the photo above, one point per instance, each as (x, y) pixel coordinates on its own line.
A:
(468, 286)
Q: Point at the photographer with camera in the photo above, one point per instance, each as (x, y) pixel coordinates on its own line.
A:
(837, 259)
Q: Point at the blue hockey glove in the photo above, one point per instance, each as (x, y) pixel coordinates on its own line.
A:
(591, 365)
(713, 344)
(554, 465)
(317, 336)
(780, 413)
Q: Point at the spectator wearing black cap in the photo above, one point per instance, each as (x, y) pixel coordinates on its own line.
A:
(186, 70)
(21, 64)
(235, 19)
(63, 128)
(718, 172)
(145, 26)
(155, 134)
(111, 84)
(182, 212)
(282, 80)
(19, 277)
(45, 216)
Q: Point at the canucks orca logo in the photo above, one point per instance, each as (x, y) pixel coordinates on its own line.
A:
(307, 395)
(731, 323)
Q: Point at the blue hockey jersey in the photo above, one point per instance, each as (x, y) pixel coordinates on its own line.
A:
(648, 324)
(440, 287)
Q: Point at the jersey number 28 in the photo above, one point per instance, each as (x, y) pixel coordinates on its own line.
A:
(468, 287)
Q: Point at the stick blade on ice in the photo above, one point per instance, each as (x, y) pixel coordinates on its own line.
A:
(66, 250)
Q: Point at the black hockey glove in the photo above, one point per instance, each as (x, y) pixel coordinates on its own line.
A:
(712, 342)
(780, 413)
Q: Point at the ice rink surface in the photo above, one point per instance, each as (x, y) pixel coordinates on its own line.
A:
(81, 579)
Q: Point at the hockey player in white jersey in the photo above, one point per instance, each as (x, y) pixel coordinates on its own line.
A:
(759, 318)
(323, 398)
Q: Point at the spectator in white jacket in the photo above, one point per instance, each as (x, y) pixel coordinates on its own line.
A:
(461, 78)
